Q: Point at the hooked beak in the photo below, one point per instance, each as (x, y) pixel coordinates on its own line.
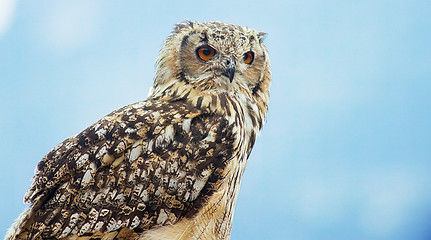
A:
(229, 69)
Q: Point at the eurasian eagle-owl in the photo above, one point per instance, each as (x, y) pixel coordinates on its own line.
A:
(168, 167)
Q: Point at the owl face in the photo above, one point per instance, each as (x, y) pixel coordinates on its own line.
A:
(213, 56)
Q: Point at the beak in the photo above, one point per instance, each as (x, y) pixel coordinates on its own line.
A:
(229, 69)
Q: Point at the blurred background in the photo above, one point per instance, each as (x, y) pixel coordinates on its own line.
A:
(345, 153)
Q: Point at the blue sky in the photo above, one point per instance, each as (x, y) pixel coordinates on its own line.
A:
(345, 153)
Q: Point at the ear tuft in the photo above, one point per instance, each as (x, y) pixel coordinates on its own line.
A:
(185, 24)
(261, 36)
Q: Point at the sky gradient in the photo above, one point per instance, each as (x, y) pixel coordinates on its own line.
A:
(345, 152)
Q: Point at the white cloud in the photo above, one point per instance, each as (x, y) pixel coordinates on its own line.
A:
(71, 24)
(7, 9)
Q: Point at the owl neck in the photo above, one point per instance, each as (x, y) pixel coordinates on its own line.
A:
(222, 102)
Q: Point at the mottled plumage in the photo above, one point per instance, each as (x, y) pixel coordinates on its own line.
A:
(168, 167)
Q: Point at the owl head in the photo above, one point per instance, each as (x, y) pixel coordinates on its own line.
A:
(212, 57)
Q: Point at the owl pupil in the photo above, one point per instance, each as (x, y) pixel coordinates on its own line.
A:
(206, 52)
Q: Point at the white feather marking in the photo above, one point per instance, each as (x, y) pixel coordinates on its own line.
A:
(93, 166)
(82, 161)
(144, 195)
(166, 137)
(113, 193)
(155, 114)
(163, 216)
(120, 147)
(186, 196)
(68, 145)
(130, 130)
(159, 192)
(135, 222)
(159, 140)
(173, 167)
(211, 137)
(84, 228)
(98, 226)
(100, 132)
(200, 183)
(102, 151)
(169, 133)
(104, 212)
(186, 124)
(65, 232)
(86, 178)
(119, 197)
(93, 215)
(136, 151)
(173, 184)
(144, 175)
(113, 225)
(73, 220)
(98, 198)
(150, 145)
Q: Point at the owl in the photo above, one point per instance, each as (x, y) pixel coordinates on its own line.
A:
(168, 167)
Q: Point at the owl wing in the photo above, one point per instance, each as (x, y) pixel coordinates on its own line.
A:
(147, 164)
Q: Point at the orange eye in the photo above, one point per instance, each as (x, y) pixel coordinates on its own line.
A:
(248, 57)
(205, 52)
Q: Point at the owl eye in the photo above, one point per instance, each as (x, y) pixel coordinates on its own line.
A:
(205, 52)
(248, 57)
